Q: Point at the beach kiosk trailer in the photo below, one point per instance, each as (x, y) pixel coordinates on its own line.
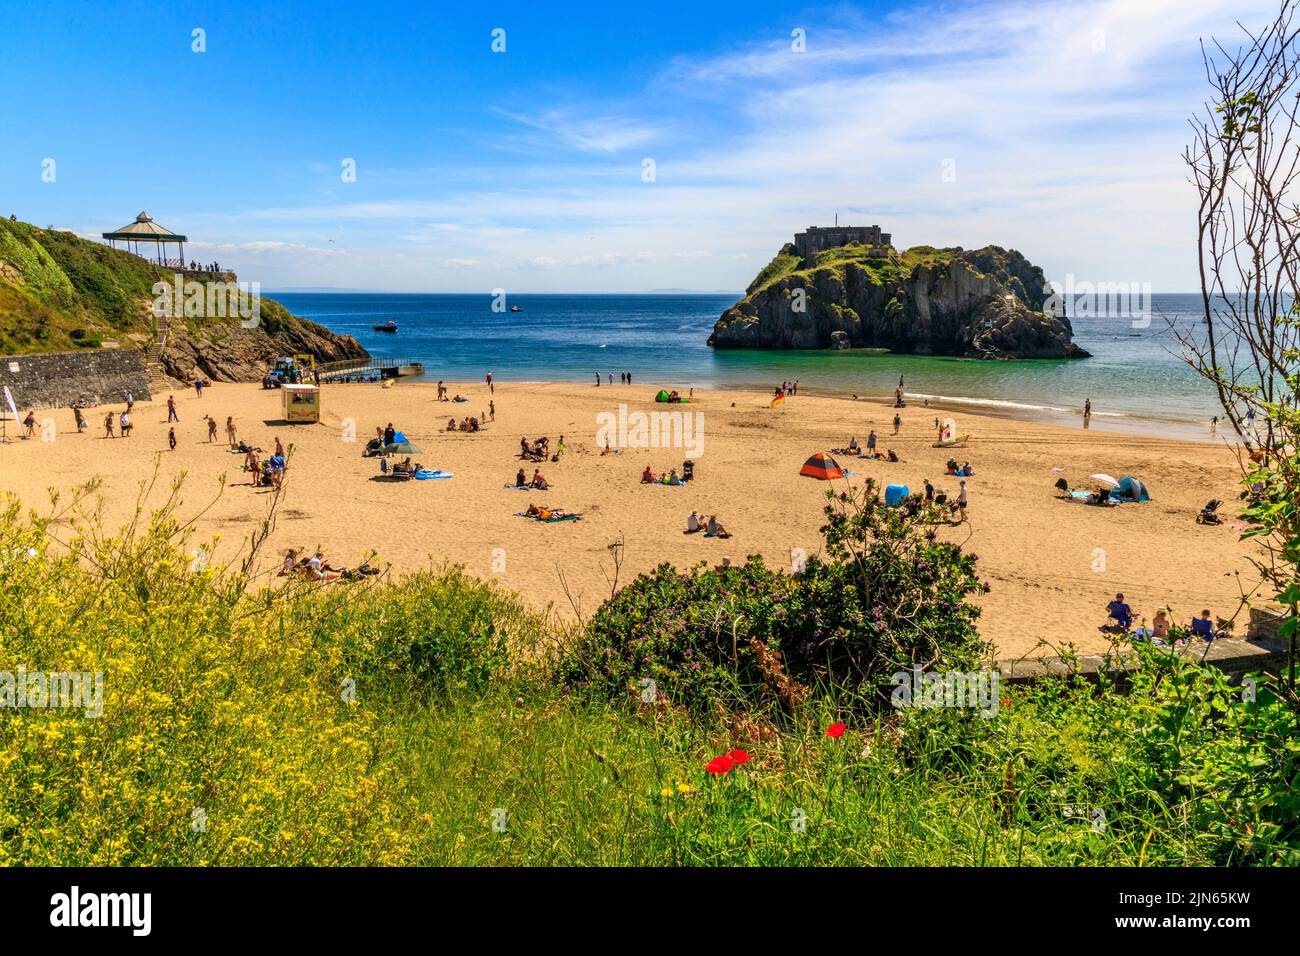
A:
(301, 403)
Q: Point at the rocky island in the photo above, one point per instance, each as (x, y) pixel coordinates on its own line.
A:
(847, 287)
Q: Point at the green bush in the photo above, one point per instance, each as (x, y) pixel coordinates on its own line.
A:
(688, 631)
(886, 595)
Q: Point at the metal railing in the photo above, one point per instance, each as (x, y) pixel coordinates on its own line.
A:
(362, 366)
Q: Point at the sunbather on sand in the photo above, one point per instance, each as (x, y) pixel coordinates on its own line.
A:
(715, 530)
(539, 481)
(521, 480)
(647, 476)
(693, 523)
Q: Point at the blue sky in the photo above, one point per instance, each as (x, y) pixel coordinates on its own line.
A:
(1053, 128)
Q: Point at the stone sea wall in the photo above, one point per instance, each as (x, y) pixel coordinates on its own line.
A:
(59, 378)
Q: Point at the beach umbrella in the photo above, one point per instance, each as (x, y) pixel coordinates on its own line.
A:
(399, 448)
(1106, 480)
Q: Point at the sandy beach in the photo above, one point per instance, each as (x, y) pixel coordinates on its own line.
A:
(1051, 565)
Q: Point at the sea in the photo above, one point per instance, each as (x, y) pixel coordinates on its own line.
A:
(1136, 378)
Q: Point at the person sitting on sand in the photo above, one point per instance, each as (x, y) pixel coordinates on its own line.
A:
(607, 449)
(404, 467)
(1203, 626)
(647, 476)
(891, 456)
(521, 480)
(1160, 624)
(693, 523)
(533, 511)
(951, 466)
(319, 569)
(1119, 610)
(714, 530)
(853, 446)
(473, 424)
(539, 481)
(525, 449)
(290, 562)
(673, 478)
(966, 470)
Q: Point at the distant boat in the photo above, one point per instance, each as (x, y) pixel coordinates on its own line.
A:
(515, 308)
(389, 326)
(603, 344)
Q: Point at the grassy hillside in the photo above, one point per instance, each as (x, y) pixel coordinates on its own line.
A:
(59, 292)
(882, 269)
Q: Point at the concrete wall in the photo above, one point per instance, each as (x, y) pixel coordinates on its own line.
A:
(59, 378)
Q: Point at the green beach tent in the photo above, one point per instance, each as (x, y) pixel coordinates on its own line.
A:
(662, 396)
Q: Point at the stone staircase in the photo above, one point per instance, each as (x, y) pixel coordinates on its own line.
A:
(158, 379)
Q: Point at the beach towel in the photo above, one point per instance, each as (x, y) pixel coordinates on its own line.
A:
(427, 475)
(521, 514)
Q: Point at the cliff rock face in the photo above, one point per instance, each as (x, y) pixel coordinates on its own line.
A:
(981, 304)
(229, 353)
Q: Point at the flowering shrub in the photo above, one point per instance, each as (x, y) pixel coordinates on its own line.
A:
(687, 631)
(886, 595)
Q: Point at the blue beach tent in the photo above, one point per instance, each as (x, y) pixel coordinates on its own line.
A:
(1130, 489)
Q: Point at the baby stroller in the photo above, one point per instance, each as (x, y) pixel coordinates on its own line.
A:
(688, 470)
(1210, 513)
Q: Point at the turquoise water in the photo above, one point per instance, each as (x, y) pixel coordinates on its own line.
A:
(1134, 372)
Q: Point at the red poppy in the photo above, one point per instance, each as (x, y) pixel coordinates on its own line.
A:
(738, 756)
(836, 730)
(719, 764)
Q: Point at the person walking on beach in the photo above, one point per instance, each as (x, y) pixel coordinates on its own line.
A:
(232, 435)
(898, 423)
(171, 438)
(198, 387)
(124, 425)
(171, 409)
(900, 381)
(212, 428)
(1214, 424)
(81, 420)
(611, 378)
(963, 501)
(108, 425)
(629, 378)
(491, 389)
(598, 380)
(871, 444)
(1087, 408)
(492, 411)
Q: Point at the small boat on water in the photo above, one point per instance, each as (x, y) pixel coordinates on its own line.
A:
(389, 326)
(515, 308)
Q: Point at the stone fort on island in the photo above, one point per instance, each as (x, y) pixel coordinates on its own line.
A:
(819, 238)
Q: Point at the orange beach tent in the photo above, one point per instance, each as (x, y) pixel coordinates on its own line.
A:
(821, 466)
